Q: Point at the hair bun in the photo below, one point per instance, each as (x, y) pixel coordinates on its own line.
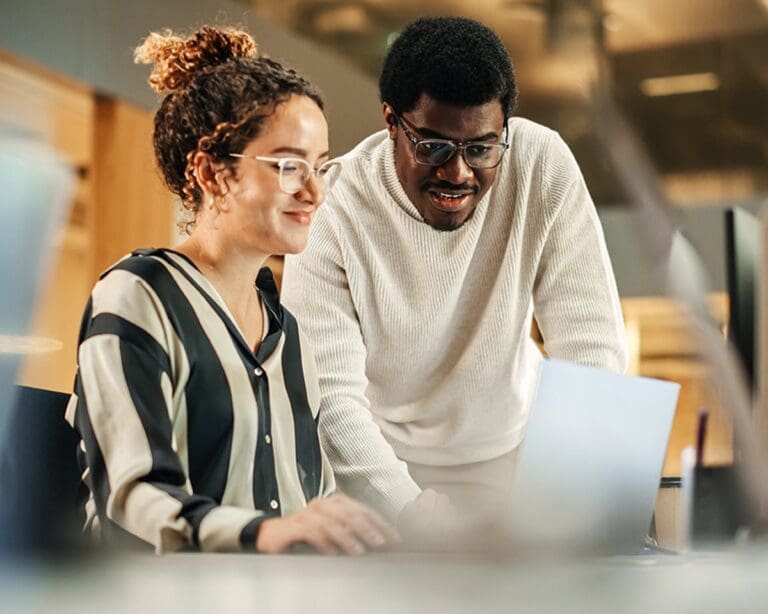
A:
(177, 59)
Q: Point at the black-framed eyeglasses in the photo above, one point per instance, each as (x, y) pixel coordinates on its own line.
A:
(436, 152)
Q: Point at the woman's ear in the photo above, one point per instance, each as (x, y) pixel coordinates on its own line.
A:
(221, 176)
(212, 177)
(205, 174)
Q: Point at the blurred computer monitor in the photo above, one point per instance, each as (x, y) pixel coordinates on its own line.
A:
(743, 251)
(719, 506)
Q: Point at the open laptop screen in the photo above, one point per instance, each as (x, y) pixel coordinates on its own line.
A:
(589, 467)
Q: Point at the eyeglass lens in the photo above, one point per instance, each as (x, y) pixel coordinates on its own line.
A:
(436, 153)
(294, 174)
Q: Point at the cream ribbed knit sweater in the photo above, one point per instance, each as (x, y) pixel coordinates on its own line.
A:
(423, 336)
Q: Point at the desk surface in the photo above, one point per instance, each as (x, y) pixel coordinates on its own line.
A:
(390, 584)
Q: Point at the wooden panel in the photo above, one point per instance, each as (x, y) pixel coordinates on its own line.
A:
(39, 106)
(132, 207)
(697, 394)
(664, 327)
(36, 105)
(58, 314)
(120, 203)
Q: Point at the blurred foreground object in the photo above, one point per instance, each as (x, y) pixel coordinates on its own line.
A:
(37, 185)
(682, 273)
(44, 509)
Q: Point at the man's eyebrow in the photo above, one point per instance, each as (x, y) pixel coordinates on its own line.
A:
(298, 151)
(426, 132)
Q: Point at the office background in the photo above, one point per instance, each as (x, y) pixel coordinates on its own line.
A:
(691, 75)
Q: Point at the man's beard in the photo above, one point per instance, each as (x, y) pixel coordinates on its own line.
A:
(448, 225)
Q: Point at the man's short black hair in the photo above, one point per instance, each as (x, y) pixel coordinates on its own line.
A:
(453, 60)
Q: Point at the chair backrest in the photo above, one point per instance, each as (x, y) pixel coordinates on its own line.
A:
(41, 494)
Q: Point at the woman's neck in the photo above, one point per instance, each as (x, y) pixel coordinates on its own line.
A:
(217, 258)
(232, 272)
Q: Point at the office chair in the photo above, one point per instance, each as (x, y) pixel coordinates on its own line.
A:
(41, 495)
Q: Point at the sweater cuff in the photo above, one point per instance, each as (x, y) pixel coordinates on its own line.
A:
(390, 502)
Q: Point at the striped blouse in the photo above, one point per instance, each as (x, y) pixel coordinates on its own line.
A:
(189, 438)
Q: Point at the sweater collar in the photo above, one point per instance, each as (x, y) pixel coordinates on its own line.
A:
(392, 181)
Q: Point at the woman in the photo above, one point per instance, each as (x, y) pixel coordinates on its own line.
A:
(195, 397)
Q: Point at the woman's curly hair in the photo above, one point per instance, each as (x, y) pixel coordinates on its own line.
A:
(218, 92)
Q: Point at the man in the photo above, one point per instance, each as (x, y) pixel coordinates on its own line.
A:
(444, 235)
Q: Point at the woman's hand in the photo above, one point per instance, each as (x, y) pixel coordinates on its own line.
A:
(333, 525)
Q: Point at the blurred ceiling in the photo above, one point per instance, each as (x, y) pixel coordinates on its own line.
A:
(691, 75)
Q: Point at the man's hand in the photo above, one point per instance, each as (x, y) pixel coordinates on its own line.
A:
(333, 525)
(428, 521)
(431, 523)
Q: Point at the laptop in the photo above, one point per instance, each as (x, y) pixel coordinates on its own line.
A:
(588, 469)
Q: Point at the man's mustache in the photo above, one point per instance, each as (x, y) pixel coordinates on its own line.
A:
(450, 187)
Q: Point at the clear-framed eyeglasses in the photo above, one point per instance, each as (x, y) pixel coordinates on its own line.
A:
(436, 152)
(295, 172)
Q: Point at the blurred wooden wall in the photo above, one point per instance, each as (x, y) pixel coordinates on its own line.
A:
(120, 202)
(132, 207)
(663, 345)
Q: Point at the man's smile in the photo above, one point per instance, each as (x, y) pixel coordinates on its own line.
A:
(450, 199)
